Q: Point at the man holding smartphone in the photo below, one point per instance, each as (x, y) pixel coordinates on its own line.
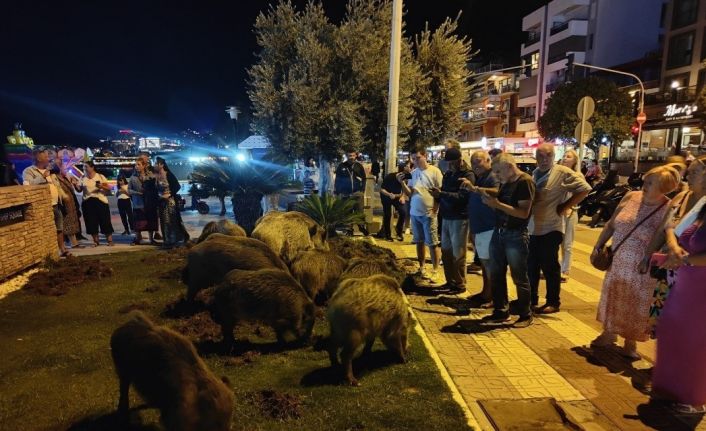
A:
(423, 211)
(509, 245)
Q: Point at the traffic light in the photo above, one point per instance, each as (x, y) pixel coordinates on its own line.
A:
(634, 130)
(636, 104)
(569, 67)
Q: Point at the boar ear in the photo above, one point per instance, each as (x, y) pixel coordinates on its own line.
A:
(225, 380)
(313, 229)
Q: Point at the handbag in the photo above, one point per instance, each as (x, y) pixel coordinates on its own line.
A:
(604, 258)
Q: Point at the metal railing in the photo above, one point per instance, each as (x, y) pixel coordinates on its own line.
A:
(552, 86)
(678, 95)
(507, 88)
(532, 39)
(558, 27)
(525, 120)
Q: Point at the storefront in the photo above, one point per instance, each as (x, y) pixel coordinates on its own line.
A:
(670, 129)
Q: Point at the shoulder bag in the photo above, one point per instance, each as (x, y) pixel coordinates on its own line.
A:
(604, 258)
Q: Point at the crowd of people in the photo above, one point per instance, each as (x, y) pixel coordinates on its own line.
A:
(146, 202)
(527, 223)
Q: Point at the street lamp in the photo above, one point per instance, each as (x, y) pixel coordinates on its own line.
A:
(233, 112)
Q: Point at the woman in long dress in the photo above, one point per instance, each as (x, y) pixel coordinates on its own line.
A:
(169, 217)
(679, 374)
(570, 160)
(140, 188)
(627, 294)
(72, 224)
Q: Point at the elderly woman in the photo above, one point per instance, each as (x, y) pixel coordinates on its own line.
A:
(140, 187)
(679, 374)
(167, 189)
(625, 302)
(571, 161)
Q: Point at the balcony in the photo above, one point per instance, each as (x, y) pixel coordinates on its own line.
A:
(532, 39)
(680, 95)
(558, 27)
(525, 120)
(507, 88)
(552, 86)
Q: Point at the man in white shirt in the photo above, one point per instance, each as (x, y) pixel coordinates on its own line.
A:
(423, 211)
(558, 190)
(39, 174)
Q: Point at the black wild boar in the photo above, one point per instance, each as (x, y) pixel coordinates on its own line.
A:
(288, 233)
(363, 309)
(269, 296)
(208, 262)
(318, 272)
(225, 227)
(166, 371)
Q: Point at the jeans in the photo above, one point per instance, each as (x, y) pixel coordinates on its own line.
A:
(387, 205)
(568, 243)
(509, 247)
(454, 240)
(544, 256)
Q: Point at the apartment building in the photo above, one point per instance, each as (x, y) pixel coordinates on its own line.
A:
(673, 124)
(599, 32)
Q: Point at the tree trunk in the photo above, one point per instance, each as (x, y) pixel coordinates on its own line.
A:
(325, 177)
(246, 209)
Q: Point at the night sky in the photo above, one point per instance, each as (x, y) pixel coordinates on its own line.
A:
(75, 71)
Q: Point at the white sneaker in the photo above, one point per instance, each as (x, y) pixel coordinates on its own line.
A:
(407, 231)
(421, 273)
(436, 278)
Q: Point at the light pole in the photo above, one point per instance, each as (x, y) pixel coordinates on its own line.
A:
(393, 89)
(233, 112)
(638, 144)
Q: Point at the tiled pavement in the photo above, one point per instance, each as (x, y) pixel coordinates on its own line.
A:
(594, 389)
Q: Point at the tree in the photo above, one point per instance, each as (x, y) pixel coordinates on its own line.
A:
(612, 118)
(364, 45)
(297, 100)
(443, 57)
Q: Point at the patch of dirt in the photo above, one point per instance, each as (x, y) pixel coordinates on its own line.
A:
(180, 307)
(142, 305)
(246, 358)
(276, 405)
(172, 274)
(199, 327)
(60, 276)
(349, 249)
(153, 288)
(175, 255)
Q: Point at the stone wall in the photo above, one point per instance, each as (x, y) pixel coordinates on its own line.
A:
(24, 243)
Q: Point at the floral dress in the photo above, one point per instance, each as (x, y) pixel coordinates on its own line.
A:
(626, 296)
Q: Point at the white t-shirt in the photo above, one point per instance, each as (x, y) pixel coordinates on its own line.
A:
(422, 202)
(90, 190)
(123, 193)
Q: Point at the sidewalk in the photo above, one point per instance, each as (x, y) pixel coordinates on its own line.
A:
(544, 376)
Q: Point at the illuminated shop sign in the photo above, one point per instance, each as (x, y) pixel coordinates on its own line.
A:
(679, 112)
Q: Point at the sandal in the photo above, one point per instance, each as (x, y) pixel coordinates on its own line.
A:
(110, 243)
(96, 244)
(65, 253)
(78, 246)
(688, 409)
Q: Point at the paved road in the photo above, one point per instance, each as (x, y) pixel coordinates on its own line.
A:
(527, 368)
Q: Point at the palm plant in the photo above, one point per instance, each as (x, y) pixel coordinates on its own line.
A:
(246, 181)
(331, 212)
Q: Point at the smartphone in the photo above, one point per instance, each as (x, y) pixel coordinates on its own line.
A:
(658, 259)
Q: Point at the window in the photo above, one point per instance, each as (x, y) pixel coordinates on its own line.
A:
(680, 50)
(685, 12)
(535, 60)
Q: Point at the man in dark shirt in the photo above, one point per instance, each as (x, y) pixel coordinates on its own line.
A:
(390, 194)
(453, 211)
(510, 241)
(350, 183)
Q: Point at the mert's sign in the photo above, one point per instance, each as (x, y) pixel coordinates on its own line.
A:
(679, 112)
(12, 215)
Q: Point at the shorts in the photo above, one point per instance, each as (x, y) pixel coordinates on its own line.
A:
(58, 218)
(425, 229)
(482, 244)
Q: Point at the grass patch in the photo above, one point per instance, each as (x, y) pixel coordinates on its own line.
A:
(56, 371)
